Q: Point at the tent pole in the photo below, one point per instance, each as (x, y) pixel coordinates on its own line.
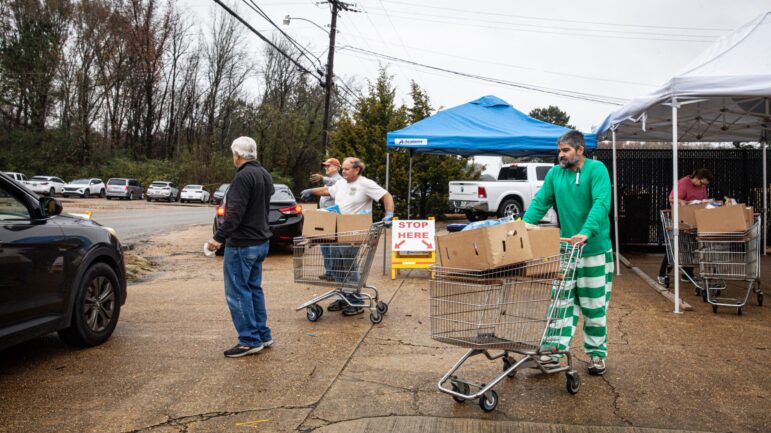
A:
(675, 210)
(615, 203)
(765, 196)
(385, 233)
(409, 187)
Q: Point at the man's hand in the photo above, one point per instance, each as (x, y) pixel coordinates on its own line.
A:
(213, 245)
(579, 239)
(306, 195)
(316, 178)
(389, 215)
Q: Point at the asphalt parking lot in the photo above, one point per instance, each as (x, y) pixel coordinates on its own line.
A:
(163, 370)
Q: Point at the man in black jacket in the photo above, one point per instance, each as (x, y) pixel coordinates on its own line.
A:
(246, 235)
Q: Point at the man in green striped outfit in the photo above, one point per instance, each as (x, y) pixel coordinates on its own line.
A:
(580, 189)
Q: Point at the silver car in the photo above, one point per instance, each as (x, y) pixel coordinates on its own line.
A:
(162, 190)
(120, 187)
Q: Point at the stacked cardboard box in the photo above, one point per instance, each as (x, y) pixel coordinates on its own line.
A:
(724, 219)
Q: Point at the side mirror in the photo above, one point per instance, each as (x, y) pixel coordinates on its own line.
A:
(50, 206)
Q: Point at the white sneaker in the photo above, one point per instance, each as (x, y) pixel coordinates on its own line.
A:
(662, 280)
(267, 343)
(597, 366)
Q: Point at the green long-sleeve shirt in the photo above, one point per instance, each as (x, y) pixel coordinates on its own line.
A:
(583, 207)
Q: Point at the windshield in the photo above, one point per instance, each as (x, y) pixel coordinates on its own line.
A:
(158, 185)
(80, 181)
(39, 178)
(224, 187)
(282, 194)
(116, 182)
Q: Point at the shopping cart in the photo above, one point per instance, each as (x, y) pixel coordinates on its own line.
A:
(688, 252)
(730, 257)
(519, 309)
(341, 261)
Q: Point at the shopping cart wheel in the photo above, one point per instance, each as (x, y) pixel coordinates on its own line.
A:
(508, 361)
(314, 313)
(760, 299)
(714, 308)
(461, 388)
(375, 317)
(739, 311)
(382, 307)
(573, 382)
(489, 401)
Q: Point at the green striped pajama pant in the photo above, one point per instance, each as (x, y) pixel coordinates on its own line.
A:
(589, 292)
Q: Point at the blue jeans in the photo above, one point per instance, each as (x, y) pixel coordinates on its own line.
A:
(344, 266)
(243, 292)
(326, 253)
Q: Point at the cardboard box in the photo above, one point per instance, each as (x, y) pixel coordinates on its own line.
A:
(485, 248)
(723, 219)
(319, 223)
(687, 214)
(350, 223)
(545, 245)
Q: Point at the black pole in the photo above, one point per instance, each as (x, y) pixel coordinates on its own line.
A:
(328, 85)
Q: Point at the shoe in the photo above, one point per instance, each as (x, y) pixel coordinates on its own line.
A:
(548, 360)
(240, 350)
(267, 344)
(337, 305)
(662, 280)
(352, 311)
(597, 366)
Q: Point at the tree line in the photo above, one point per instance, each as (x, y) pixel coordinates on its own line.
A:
(137, 88)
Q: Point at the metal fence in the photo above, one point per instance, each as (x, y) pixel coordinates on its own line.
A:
(645, 180)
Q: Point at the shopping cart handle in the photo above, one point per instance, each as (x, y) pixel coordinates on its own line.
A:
(570, 241)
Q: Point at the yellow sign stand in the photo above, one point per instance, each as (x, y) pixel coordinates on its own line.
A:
(407, 260)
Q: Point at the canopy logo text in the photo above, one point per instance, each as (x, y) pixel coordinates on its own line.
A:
(412, 141)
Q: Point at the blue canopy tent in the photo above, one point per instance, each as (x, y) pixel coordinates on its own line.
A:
(488, 126)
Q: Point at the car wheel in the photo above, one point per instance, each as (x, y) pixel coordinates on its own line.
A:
(86, 194)
(473, 215)
(102, 194)
(510, 206)
(96, 309)
(149, 199)
(51, 192)
(109, 198)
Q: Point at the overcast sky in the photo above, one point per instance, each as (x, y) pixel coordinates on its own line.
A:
(601, 49)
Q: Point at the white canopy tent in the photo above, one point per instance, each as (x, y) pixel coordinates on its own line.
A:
(724, 94)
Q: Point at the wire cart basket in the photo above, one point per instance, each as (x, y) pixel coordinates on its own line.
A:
(730, 257)
(341, 261)
(516, 310)
(688, 252)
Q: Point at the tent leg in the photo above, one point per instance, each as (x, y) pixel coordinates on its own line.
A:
(675, 210)
(765, 198)
(385, 233)
(409, 187)
(615, 204)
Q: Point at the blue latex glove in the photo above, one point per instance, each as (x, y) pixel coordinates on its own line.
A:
(389, 215)
(306, 195)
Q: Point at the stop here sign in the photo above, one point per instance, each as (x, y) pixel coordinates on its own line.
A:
(413, 235)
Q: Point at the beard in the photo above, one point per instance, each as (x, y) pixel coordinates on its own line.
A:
(568, 163)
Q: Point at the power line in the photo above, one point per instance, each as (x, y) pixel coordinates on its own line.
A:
(553, 91)
(266, 40)
(561, 20)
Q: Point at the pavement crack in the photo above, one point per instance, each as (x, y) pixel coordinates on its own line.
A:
(624, 335)
(404, 343)
(184, 422)
(616, 398)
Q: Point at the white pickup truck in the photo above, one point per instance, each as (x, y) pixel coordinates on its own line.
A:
(510, 194)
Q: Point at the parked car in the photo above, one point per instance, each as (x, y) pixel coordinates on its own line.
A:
(219, 194)
(84, 188)
(18, 177)
(121, 187)
(48, 185)
(510, 194)
(285, 217)
(162, 190)
(58, 272)
(194, 193)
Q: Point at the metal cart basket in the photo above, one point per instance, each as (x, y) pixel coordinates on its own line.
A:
(688, 251)
(341, 261)
(518, 310)
(730, 257)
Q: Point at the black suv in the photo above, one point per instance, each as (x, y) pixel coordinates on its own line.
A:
(57, 272)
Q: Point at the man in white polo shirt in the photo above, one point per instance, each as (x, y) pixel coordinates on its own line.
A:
(354, 194)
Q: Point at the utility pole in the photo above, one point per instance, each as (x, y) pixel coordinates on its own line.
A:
(336, 7)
